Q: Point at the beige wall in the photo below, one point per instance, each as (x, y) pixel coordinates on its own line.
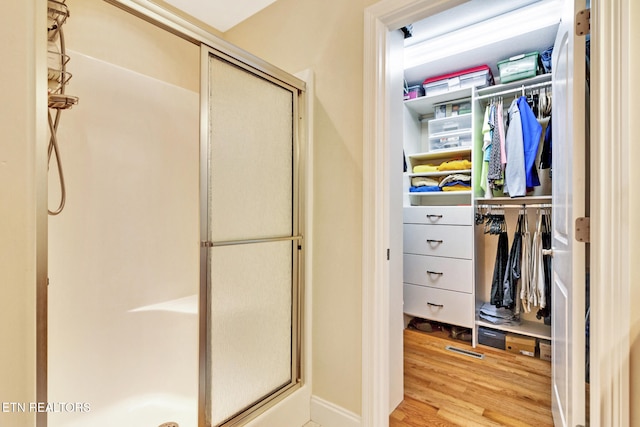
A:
(634, 208)
(22, 108)
(327, 36)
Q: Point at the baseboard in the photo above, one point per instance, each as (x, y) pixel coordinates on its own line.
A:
(328, 414)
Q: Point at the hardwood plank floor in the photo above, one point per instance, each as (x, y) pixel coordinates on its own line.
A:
(443, 388)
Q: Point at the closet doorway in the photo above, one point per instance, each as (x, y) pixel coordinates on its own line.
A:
(394, 18)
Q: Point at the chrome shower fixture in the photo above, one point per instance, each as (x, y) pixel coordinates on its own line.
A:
(57, 59)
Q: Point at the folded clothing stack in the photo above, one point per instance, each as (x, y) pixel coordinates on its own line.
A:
(456, 182)
(424, 184)
(498, 315)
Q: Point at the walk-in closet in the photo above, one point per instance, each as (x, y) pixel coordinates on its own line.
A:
(486, 125)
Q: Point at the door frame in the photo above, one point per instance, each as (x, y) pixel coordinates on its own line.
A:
(609, 263)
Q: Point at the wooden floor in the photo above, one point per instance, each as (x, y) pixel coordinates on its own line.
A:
(443, 388)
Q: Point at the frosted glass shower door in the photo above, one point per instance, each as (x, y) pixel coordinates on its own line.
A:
(252, 240)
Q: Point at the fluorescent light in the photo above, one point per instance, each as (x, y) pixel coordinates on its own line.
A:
(500, 28)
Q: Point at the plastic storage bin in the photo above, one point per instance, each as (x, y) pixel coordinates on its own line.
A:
(450, 124)
(456, 108)
(413, 92)
(450, 132)
(519, 67)
(472, 77)
(492, 338)
(450, 142)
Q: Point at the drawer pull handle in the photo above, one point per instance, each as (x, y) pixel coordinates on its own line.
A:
(431, 216)
(434, 241)
(435, 272)
(435, 305)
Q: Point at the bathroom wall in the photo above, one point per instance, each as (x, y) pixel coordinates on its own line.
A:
(124, 253)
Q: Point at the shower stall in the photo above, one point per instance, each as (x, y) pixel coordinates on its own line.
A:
(175, 295)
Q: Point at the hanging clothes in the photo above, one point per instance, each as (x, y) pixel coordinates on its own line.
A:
(526, 291)
(486, 153)
(538, 296)
(545, 156)
(497, 291)
(501, 134)
(522, 141)
(495, 175)
(515, 179)
(546, 244)
(513, 269)
(531, 132)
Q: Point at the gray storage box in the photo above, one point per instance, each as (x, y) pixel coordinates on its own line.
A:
(492, 338)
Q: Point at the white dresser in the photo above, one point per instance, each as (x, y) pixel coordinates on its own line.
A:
(438, 264)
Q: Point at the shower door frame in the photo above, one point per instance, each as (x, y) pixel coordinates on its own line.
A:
(182, 26)
(296, 238)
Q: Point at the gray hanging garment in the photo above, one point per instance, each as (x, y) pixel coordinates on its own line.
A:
(499, 269)
(513, 268)
(495, 161)
(546, 244)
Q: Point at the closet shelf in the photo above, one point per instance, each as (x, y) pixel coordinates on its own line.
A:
(442, 154)
(518, 201)
(443, 173)
(528, 328)
(457, 132)
(440, 193)
(514, 86)
(424, 104)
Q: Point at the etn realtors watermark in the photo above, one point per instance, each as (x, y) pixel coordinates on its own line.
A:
(19, 407)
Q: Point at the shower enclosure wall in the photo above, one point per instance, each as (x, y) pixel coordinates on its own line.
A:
(123, 256)
(175, 269)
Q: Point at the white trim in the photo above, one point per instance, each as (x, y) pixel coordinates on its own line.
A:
(379, 19)
(610, 261)
(327, 414)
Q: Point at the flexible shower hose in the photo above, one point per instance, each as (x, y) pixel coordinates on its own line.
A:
(53, 128)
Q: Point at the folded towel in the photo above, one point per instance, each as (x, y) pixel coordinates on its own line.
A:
(456, 187)
(456, 177)
(424, 189)
(425, 168)
(421, 181)
(455, 165)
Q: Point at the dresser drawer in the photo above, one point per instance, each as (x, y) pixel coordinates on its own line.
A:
(438, 272)
(455, 241)
(440, 305)
(446, 215)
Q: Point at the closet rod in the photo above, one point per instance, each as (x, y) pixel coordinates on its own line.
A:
(515, 89)
(530, 206)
